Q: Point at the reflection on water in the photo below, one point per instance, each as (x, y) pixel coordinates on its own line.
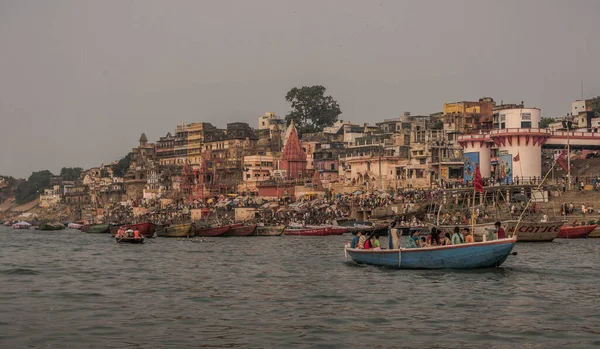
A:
(68, 289)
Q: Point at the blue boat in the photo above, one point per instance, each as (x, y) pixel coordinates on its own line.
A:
(488, 254)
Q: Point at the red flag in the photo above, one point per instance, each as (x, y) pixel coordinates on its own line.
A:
(517, 158)
(562, 160)
(477, 180)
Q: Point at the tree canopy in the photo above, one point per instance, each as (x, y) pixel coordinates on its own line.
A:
(311, 110)
(35, 184)
(122, 166)
(70, 173)
(545, 122)
(596, 105)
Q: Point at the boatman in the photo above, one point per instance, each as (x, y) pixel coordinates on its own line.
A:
(500, 233)
(136, 234)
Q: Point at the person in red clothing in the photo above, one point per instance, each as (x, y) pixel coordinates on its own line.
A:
(500, 233)
(136, 234)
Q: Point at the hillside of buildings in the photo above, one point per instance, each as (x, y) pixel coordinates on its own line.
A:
(199, 161)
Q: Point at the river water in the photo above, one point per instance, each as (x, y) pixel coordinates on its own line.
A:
(69, 289)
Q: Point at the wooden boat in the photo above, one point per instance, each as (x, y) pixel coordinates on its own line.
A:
(74, 226)
(130, 240)
(7, 224)
(529, 231)
(308, 232)
(50, 226)
(178, 231)
(240, 230)
(576, 232)
(147, 229)
(488, 254)
(21, 225)
(212, 231)
(96, 228)
(269, 230)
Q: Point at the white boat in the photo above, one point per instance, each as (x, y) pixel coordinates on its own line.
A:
(21, 225)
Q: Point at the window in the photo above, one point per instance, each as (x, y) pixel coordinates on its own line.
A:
(525, 124)
(333, 167)
(502, 125)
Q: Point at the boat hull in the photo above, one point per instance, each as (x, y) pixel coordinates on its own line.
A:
(129, 240)
(74, 226)
(177, 231)
(271, 230)
(579, 232)
(96, 228)
(308, 232)
(241, 230)
(213, 231)
(534, 231)
(465, 256)
(50, 226)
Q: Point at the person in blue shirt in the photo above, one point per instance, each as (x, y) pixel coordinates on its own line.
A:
(355, 240)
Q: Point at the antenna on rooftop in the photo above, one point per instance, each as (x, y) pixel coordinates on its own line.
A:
(582, 90)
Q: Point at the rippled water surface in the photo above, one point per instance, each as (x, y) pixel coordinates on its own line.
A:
(68, 289)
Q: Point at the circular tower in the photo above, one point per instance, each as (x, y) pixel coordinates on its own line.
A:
(519, 140)
(477, 150)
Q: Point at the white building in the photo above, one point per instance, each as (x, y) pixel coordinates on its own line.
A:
(518, 140)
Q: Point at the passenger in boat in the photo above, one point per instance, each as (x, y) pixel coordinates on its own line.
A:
(446, 240)
(411, 242)
(500, 233)
(129, 233)
(136, 234)
(433, 239)
(361, 241)
(376, 244)
(355, 240)
(367, 245)
(423, 242)
(469, 239)
(457, 237)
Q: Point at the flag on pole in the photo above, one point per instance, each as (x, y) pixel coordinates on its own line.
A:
(517, 158)
(562, 160)
(477, 180)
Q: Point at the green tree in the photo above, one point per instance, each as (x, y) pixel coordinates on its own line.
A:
(311, 110)
(70, 173)
(122, 166)
(35, 184)
(437, 125)
(545, 122)
(596, 105)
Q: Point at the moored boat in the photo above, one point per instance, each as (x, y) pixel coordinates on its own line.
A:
(465, 256)
(21, 225)
(74, 226)
(130, 240)
(576, 232)
(529, 231)
(50, 226)
(308, 231)
(240, 230)
(212, 231)
(269, 230)
(177, 231)
(7, 224)
(96, 228)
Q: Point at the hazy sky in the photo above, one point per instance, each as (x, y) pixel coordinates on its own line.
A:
(81, 80)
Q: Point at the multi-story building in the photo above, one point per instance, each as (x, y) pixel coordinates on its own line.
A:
(466, 117)
(225, 151)
(196, 133)
(258, 168)
(181, 144)
(165, 150)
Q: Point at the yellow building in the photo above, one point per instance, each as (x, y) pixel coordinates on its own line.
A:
(196, 133)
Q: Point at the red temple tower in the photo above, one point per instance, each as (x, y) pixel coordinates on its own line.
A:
(293, 157)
